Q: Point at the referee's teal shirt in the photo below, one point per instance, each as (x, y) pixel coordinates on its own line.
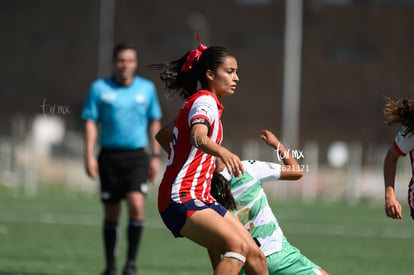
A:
(123, 112)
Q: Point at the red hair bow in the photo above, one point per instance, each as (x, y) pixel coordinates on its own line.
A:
(193, 55)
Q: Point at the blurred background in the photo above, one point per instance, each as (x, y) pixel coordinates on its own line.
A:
(315, 72)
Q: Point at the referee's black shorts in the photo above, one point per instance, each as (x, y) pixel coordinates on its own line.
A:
(122, 171)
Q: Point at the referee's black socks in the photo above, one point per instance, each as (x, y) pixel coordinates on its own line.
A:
(110, 235)
(134, 233)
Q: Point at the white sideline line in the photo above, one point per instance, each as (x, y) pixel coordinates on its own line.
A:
(288, 228)
(3, 229)
(61, 219)
(339, 230)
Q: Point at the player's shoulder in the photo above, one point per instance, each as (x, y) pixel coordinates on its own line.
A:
(102, 85)
(403, 141)
(100, 81)
(249, 165)
(251, 162)
(199, 94)
(403, 135)
(259, 165)
(248, 162)
(204, 98)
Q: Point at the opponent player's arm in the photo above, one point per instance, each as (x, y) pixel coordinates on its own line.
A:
(164, 136)
(91, 136)
(199, 139)
(392, 206)
(290, 168)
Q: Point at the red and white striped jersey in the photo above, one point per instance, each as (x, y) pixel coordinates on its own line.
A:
(405, 145)
(189, 170)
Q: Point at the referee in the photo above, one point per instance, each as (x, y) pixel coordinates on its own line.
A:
(123, 113)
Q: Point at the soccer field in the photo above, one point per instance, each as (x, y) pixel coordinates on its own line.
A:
(59, 232)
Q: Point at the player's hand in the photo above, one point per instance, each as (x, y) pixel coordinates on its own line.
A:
(232, 162)
(92, 168)
(153, 168)
(393, 208)
(269, 138)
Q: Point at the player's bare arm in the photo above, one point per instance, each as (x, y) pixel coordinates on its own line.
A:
(392, 206)
(200, 139)
(91, 135)
(288, 160)
(154, 127)
(164, 135)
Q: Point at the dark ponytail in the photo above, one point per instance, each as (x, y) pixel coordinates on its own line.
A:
(187, 83)
(221, 191)
(176, 80)
(401, 112)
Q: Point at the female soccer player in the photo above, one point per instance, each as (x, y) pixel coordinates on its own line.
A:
(246, 198)
(184, 200)
(400, 112)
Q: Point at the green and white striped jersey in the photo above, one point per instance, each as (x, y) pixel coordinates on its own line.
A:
(253, 209)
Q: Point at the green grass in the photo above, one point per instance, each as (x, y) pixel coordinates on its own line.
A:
(59, 232)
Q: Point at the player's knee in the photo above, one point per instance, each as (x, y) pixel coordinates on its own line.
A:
(236, 256)
(241, 247)
(256, 260)
(135, 214)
